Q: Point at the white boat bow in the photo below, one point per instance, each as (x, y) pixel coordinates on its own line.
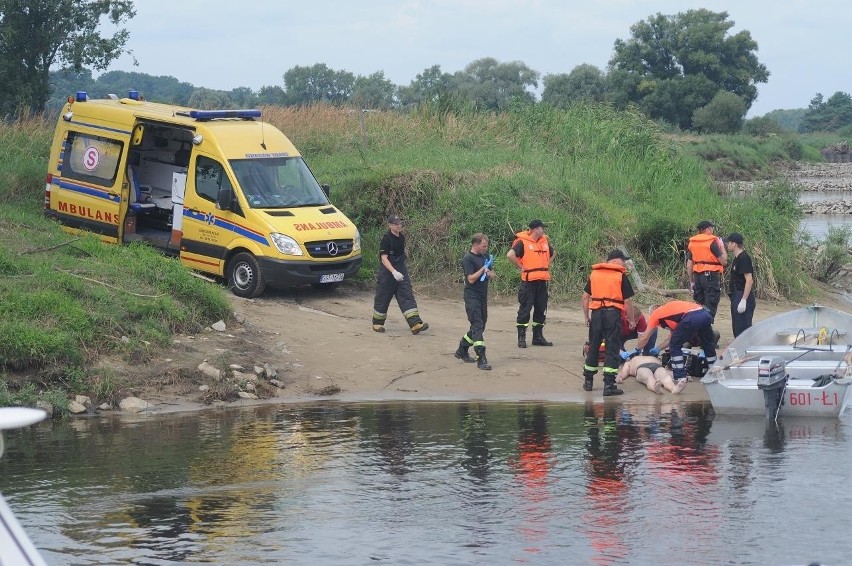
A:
(16, 548)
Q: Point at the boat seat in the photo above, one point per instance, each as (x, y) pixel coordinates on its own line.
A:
(797, 369)
(809, 333)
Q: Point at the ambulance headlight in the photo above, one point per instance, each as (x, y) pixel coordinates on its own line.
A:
(356, 242)
(285, 244)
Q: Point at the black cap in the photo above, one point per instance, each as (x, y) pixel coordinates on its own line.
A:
(704, 224)
(735, 237)
(394, 219)
(617, 254)
(537, 224)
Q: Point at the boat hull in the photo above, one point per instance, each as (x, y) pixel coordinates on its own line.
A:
(814, 344)
(800, 399)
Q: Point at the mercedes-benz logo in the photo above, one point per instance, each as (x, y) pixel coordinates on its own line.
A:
(332, 248)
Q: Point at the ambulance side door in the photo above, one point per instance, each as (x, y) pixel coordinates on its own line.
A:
(86, 190)
(205, 239)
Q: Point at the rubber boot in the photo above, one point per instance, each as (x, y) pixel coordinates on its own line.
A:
(462, 352)
(538, 337)
(609, 386)
(522, 337)
(588, 381)
(481, 360)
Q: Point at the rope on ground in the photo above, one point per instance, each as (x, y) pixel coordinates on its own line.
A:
(110, 286)
(37, 250)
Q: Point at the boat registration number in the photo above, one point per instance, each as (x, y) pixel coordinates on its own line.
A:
(807, 398)
(331, 278)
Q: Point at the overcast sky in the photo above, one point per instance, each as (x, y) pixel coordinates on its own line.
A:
(226, 44)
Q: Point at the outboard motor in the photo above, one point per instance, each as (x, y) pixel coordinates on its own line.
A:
(772, 380)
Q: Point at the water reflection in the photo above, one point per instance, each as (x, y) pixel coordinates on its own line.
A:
(602, 483)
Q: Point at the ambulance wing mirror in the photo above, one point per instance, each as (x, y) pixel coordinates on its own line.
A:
(138, 132)
(326, 189)
(225, 199)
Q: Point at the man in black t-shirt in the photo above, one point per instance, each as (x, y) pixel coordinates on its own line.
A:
(393, 281)
(476, 265)
(740, 285)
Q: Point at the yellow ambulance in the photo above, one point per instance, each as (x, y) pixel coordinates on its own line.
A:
(225, 192)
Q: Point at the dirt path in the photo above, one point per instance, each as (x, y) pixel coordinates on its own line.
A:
(321, 339)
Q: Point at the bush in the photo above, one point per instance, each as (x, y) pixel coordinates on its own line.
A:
(825, 258)
(762, 127)
(722, 115)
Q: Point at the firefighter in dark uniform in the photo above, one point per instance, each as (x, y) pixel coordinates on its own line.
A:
(705, 262)
(685, 320)
(532, 253)
(393, 280)
(476, 265)
(607, 294)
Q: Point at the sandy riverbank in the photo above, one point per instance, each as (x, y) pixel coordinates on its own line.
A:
(323, 341)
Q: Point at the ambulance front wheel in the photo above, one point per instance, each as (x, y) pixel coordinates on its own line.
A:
(244, 277)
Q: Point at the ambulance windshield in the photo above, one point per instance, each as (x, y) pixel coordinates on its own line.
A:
(278, 182)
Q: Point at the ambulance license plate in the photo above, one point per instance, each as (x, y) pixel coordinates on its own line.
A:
(331, 278)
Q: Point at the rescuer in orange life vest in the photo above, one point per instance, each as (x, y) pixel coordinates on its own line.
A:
(705, 262)
(532, 253)
(607, 294)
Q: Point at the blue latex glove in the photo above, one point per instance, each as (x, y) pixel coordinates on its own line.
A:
(654, 351)
(627, 355)
(488, 263)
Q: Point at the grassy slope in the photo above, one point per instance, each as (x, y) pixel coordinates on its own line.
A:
(598, 178)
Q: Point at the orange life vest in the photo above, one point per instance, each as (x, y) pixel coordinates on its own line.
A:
(703, 258)
(605, 281)
(536, 259)
(668, 315)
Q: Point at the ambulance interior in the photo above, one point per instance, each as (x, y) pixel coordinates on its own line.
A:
(156, 170)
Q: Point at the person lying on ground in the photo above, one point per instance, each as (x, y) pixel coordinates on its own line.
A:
(650, 372)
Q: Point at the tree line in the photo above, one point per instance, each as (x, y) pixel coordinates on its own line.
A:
(687, 70)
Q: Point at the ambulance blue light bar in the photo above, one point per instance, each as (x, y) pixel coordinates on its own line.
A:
(203, 115)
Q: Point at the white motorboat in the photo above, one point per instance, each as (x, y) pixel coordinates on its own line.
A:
(798, 363)
(16, 548)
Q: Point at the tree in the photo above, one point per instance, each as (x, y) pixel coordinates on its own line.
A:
(829, 115)
(271, 95)
(585, 83)
(243, 97)
(723, 115)
(374, 91)
(673, 65)
(318, 83)
(494, 86)
(428, 86)
(164, 89)
(209, 99)
(789, 119)
(37, 34)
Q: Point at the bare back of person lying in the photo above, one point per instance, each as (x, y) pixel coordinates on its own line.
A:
(650, 372)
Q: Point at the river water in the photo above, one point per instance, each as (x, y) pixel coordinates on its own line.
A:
(434, 483)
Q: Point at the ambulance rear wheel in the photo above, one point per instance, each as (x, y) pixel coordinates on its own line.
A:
(244, 277)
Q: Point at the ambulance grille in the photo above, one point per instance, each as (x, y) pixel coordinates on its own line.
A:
(329, 248)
